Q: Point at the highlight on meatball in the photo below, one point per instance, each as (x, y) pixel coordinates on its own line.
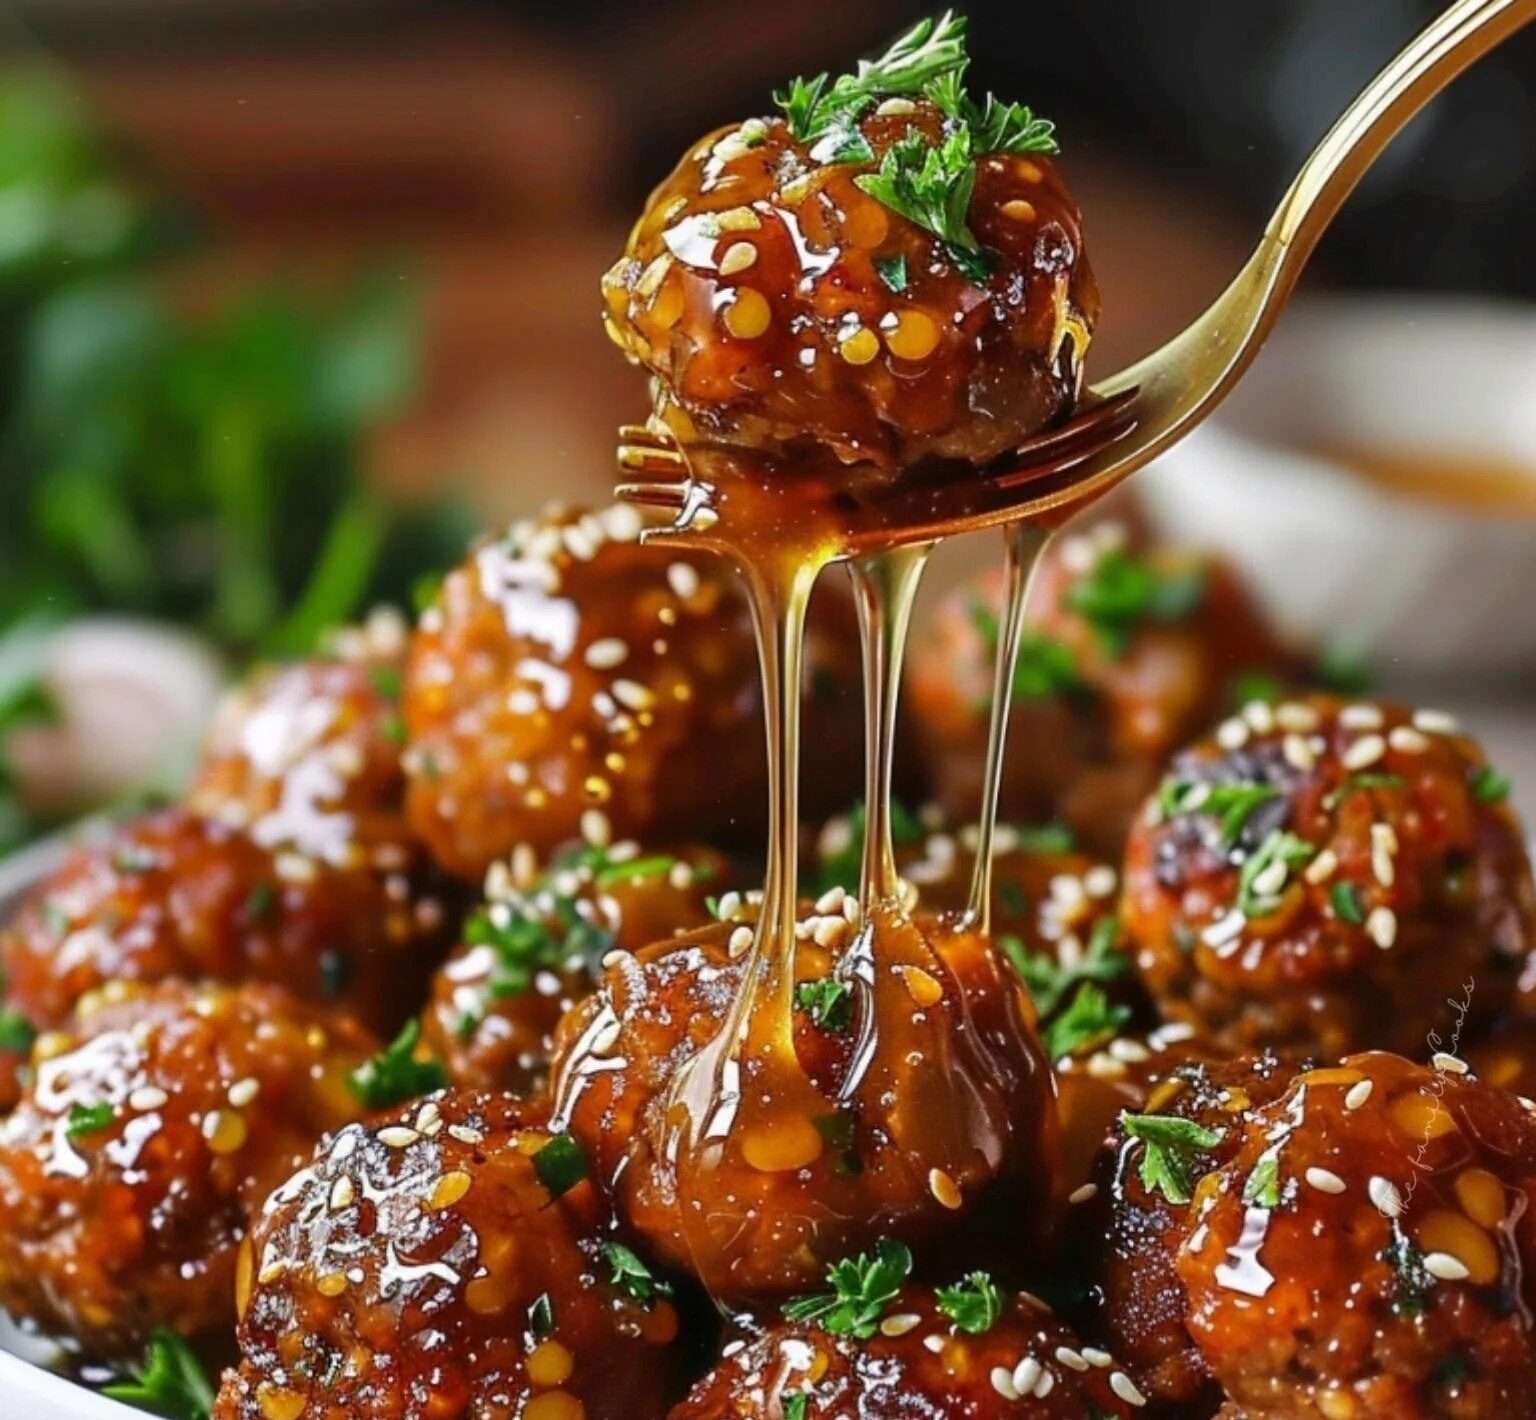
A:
(1329, 875)
(883, 272)
(563, 668)
(171, 894)
(153, 1128)
(877, 1346)
(537, 945)
(914, 1083)
(452, 1261)
(1366, 1250)
(1129, 651)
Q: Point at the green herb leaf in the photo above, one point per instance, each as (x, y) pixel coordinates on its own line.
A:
(1263, 1185)
(1050, 981)
(386, 680)
(395, 1074)
(974, 1305)
(862, 1288)
(931, 187)
(1489, 786)
(16, 1033)
(1254, 684)
(1122, 589)
(828, 1002)
(997, 127)
(1045, 667)
(631, 1276)
(171, 1382)
(1413, 1282)
(1347, 906)
(1280, 846)
(794, 1405)
(560, 1164)
(87, 1119)
(1088, 1021)
(260, 902)
(838, 1131)
(1170, 1148)
(893, 271)
(541, 1316)
(658, 865)
(1229, 804)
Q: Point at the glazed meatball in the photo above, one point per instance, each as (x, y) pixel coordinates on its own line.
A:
(912, 1083)
(1128, 653)
(1329, 876)
(1366, 1251)
(537, 946)
(565, 670)
(784, 306)
(305, 758)
(153, 1128)
(172, 894)
(446, 1264)
(964, 1352)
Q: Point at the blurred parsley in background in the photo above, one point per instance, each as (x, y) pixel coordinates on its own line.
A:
(197, 470)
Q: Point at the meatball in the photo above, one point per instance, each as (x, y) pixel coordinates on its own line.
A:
(784, 305)
(963, 1352)
(1367, 1251)
(305, 758)
(564, 670)
(538, 944)
(1329, 876)
(451, 1262)
(1128, 653)
(913, 1083)
(172, 894)
(153, 1128)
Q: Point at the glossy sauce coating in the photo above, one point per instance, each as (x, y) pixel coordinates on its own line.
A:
(903, 1114)
(1329, 876)
(758, 288)
(919, 1366)
(1380, 1267)
(536, 948)
(171, 894)
(1128, 653)
(422, 1268)
(564, 669)
(154, 1128)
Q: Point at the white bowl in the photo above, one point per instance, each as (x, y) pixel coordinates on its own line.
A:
(1429, 589)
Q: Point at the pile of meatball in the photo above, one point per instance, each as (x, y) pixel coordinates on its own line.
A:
(284, 1060)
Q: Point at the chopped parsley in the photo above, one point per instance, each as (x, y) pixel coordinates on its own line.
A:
(1043, 838)
(541, 1316)
(862, 1288)
(656, 866)
(794, 1405)
(1347, 906)
(1090, 1020)
(393, 728)
(1263, 1185)
(828, 1002)
(1124, 589)
(560, 1164)
(1045, 667)
(1344, 669)
(974, 1305)
(631, 1276)
(893, 271)
(16, 1033)
(837, 1131)
(1254, 684)
(1229, 804)
(386, 680)
(1410, 1293)
(260, 902)
(1489, 786)
(395, 1074)
(1170, 1149)
(1050, 981)
(1280, 846)
(171, 1382)
(89, 1119)
(931, 186)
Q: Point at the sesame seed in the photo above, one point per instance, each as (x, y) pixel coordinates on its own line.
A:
(1325, 1180)
(147, 1097)
(1322, 867)
(1068, 1357)
(1232, 734)
(633, 695)
(397, 1136)
(1045, 1385)
(1125, 1388)
(1225, 929)
(465, 1135)
(1133, 1052)
(944, 1189)
(1269, 882)
(934, 1343)
(740, 942)
(1099, 881)
(1085, 1194)
(1002, 1383)
(739, 256)
(1383, 845)
(1292, 715)
(1360, 717)
(1450, 1064)
(1259, 716)
(595, 828)
(1095, 1357)
(900, 1324)
(1436, 722)
(1381, 926)
(730, 905)
(831, 900)
(1364, 752)
(1358, 1094)
(683, 578)
(1406, 740)
(1384, 1196)
(607, 653)
(1446, 1267)
(343, 1193)
(1298, 753)
(1025, 1375)
(1172, 1034)
(242, 1092)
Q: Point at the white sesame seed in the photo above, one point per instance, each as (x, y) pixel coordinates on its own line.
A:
(1325, 1180)
(933, 1343)
(830, 931)
(595, 828)
(1125, 1388)
(1085, 1194)
(1172, 1034)
(242, 1092)
(1094, 1357)
(1381, 926)
(1099, 881)
(1406, 740)
(738, 257)
(900, 1324)
(1383, 845)
(1068, 1357)
(1232, 734)
(1225, 929)
(342, 1194)
(1045, 1385)
(730, 905)
(740, 942)
(1039, 1304)
(147, 1097)
(1358, 1093)
(1002, 1383)
(1436, 722)
(1450, 1064)
(397, 1136)
(1260, 716)
(1364, 752)
(607, 653)
(1322, 867)
(683, 578)
(1292, 715)
(1527, 1103)
(1446, 1267)
(1269, 882)
(1133, 1052)
(465, 1134)
(633, 695)
(1360, 717)
(1384, 1196)
(831, 900)
(1298, 753)
(1025, 1374)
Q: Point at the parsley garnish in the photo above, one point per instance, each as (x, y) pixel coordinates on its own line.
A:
(1122, 590)
(794, 1404)
(1263, 1185)
(1090, 1020)
(827, 1002)
(1280, 846)
(386, 681)
(931, 187)
(171, 1382)
(1050, 981)
(260, 901)
(837, 1131)
(1045, 666)
(1489, 786)
(631, 1276)
(89, 1119)
(395, 1074)
(1170, 1148)
(1044, 838)
(893, 271)
(541, 1316)
(1252, 685)
(16, 1033)
(657, 865)
(560, 1164)
(974, 1305)
(1411, 1294)
(862, 1288)
(1346, 904)
(1345, 669)
(1229, 804)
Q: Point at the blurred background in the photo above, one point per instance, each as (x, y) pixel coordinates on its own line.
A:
(295, 295)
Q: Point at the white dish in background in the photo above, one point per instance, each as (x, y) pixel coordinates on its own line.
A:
(1428, 589)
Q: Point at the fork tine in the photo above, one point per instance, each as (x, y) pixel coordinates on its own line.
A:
(1084, 422)
(1068, 455)
(643, 458)
(654, 495)
(645, 434)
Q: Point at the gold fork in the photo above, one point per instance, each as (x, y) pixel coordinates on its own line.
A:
(1137, 414)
